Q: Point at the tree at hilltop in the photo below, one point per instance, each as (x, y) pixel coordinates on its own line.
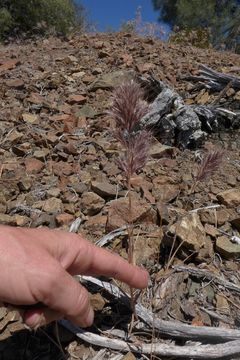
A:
(39, 16)
(220, 17)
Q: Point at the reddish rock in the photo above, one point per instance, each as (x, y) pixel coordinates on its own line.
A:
(64, 219)
(9, 65)
(15, 83)
(104, 189)
(91, 203)
(52, 205)
(166, 192)
(77, 99)
(230, 197)
(33, 166)
(118, 213)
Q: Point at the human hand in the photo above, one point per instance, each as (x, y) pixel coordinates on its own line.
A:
(37, 265)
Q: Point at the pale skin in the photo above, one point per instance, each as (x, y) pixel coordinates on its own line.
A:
(36, 265)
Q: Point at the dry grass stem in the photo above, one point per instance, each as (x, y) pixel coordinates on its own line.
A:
(128, 107)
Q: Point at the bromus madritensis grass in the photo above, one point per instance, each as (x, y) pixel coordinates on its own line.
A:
(127, 109)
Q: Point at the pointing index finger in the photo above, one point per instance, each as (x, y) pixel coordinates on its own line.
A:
(94, 260)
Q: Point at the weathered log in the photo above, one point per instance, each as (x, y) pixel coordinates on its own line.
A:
(215, 80)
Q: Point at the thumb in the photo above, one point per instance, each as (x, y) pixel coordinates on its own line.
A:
(64, 297)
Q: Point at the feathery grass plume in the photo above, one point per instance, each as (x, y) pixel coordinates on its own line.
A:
(128, 107)
(209, 164)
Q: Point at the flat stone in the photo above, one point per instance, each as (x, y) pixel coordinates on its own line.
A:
(64, 219)
(190, 231)
(118, 213)
(9, 65)
(33, 166)
(41, 154)
(30, 118)
(22, 220)
(15, 83)
(52, 205)
(97, 301)
(7, 219)
(77, 99)
(229, 197)
(3, 203)
(91, 203)
(104, 189)
(165, 192)
(226, 248)
(158, 151)
(112, 79)
(86, 111)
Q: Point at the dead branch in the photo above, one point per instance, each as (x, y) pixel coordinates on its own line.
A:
(215, 80)
(167, 328)
(209, 276)
(228, 350)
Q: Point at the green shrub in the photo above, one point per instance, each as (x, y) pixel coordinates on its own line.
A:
(6, 21)
(195, 37)
(40, 16)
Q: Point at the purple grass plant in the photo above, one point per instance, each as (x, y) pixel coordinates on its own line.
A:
(128, 108)
(210, 163)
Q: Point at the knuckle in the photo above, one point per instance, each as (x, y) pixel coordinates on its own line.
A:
(47, 283)
(81, 303)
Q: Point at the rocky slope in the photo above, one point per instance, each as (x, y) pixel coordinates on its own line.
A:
(58, 164)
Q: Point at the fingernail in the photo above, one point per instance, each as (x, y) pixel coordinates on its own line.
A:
(33, 319)
(88, 319)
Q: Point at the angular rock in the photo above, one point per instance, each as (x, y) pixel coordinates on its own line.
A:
(91, 203)
(52, 205)
(15, 83)
(9, 65)
(33, 166)
(86, 111)
(3, 203)
(30, 118)
(226, 248)
(158, 151)
(77, 99)
(118, 213)
(7, 219)
(97, 301)
(165, 192)
(64, 219)
(163, 213)
(112, 79)
(104, 189)
(41, 154)
(22, 220)
(230, 197)
(190, 231)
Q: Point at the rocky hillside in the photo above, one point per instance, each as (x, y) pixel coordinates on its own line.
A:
(58, 165)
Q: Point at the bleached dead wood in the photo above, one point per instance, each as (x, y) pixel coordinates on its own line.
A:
(167, 328)
(228, 350)
(208, 276)
(112, 235)
(205, 208)
(215, 80)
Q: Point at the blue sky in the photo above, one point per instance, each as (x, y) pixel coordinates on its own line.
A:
(111, 14)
